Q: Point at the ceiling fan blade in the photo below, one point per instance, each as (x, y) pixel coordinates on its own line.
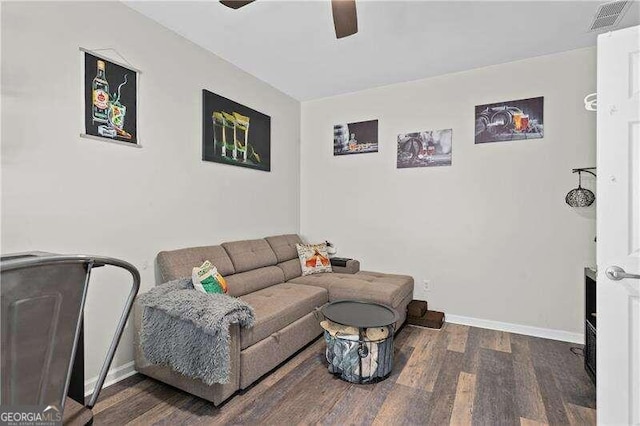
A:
(236, 4)
(345, 18)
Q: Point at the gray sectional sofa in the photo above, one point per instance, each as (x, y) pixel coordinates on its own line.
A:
(266, 274)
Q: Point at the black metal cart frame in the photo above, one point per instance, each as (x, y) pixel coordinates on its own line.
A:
(12, 266)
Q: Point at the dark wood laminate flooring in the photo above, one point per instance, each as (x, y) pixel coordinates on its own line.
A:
(459, 375)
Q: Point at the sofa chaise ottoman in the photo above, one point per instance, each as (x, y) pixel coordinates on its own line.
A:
(266, 274)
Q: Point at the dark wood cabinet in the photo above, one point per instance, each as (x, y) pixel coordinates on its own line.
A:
(590, 322)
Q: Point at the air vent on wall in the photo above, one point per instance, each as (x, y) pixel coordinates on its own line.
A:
(609, 14)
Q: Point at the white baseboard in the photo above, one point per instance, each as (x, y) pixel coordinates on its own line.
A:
(128, 369)
(114, 376)
(547, 333)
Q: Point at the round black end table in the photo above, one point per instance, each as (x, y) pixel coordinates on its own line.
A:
(363, 315)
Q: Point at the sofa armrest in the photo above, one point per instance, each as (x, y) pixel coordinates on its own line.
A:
(216, 393)
(353, 266)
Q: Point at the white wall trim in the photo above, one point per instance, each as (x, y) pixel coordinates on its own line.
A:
(114, 376)
(128, 369)
(547, 333)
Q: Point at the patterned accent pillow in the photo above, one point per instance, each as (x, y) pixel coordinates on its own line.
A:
(207, 279)
(314, 258)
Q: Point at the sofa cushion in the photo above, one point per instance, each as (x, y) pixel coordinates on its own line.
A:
(284, 246)
(277, 306)
(179, 263)
(256, 279)
(291, 268)
(250, 254)
(388, 289)
(394, 279)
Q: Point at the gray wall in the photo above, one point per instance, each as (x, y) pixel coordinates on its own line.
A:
(63, 193)
(492, 232)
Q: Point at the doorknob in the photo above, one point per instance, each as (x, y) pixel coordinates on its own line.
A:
(616, 273)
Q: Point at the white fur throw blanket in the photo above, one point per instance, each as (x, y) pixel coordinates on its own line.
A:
(189, 330)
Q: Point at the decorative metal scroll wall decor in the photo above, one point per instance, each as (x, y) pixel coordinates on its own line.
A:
(581, 197)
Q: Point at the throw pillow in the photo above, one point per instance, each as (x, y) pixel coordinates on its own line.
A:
(313, 258)
(207, 279)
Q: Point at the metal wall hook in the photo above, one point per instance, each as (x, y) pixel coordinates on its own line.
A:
(584, 169)
(591, 102)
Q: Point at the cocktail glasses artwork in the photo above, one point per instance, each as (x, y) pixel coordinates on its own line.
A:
(231, 135)
(235, 134)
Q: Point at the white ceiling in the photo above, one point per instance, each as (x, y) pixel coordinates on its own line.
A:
(292, 45)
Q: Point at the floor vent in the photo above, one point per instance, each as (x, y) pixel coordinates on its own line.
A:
(609, 14)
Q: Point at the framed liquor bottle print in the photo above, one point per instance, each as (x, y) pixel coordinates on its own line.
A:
(110, 99)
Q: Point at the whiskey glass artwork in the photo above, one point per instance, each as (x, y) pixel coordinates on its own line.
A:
(517, 120)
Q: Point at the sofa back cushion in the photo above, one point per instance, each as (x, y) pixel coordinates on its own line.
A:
(253, 280)
(291, 269)
(250, 254)
(284, 246)
(179, 263)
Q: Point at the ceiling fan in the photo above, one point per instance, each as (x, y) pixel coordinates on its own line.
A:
(345, 19)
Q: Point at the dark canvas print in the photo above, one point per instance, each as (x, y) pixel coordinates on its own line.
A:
(235, 134)
(425, 149)
(510, 121)
(110, 100)
(355, 138)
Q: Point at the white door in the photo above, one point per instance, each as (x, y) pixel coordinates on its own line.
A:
(618, 224)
